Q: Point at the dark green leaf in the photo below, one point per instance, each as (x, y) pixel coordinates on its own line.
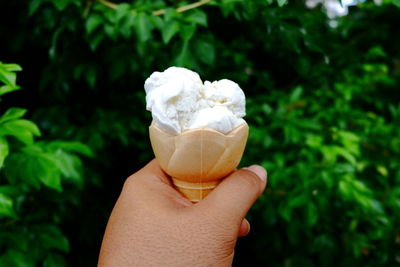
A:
(71, 146)
(16, 258)
(183, 59)
(33, 167)
(197, 17)
(93, 22)
(61, 4)
(295, 95)
(54, 260)
(4, 150)
(143, 27)
(19, 169)
(90, 76)
(312, 214)
(170, 29)
(53, 238)
(10, 190)
(187, 32)
(34, 6)
(6, 206)
(121, 11)
(299, 200)
(205, 51)
(96, 40)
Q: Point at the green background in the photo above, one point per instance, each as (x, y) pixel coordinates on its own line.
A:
(323, 105)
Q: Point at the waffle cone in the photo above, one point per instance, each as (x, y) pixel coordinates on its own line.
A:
(198, 159)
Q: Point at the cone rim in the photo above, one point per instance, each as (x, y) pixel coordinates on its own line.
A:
(205, 129)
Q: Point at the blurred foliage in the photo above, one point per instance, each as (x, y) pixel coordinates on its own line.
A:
(323, 105)
(39, 180)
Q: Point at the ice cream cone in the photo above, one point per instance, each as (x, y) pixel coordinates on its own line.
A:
(198, 159)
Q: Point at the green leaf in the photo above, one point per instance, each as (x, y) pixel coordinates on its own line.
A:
(34, 6)
(396, 2)
(121, 11)
(183, 59)
(285, 211)
(18, 170)
(281, 3)
(187, 32)
(12, 114)
(54, 42)
(33, 166)
(90, 76)
(6, 76)
(95, 40)
(7, 89)
(295, 95)
(380, 168)
(16, 258)
(69, 165)
(314, 141)
(298, 200)
(345, 154)
(311, 214)
(23, 130)
(171, 13)
(4, 150)
(54, 260)
(157, 22)
(93, 22)
(6, 206)
(47, 171)
(228, 6)
(61, 4)
(332, 152)
(143, 27)
(10, 190)
(170, 29)
(126, 25)
(52, 238)
(197, 17)
(205, 51)
(71, 146)
(11, 67)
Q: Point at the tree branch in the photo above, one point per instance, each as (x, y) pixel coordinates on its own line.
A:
(161, 11)
(108, 4)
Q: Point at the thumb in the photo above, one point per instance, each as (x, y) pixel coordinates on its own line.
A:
(234, 196)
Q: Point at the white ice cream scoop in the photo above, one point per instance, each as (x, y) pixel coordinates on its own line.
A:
(179, 101)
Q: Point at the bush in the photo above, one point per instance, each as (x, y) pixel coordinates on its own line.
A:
(322, 105)
(39, 183)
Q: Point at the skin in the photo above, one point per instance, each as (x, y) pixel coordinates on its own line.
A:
(153, 225)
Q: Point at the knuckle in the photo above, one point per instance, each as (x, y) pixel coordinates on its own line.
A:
(250, 180)
(131, 183)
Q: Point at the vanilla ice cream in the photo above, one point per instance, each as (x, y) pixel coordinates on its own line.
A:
(179, 101)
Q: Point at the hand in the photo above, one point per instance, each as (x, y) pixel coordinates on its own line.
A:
(153, 225)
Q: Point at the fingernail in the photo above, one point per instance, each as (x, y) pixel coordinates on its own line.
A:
(248, 227)
(260, 171)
